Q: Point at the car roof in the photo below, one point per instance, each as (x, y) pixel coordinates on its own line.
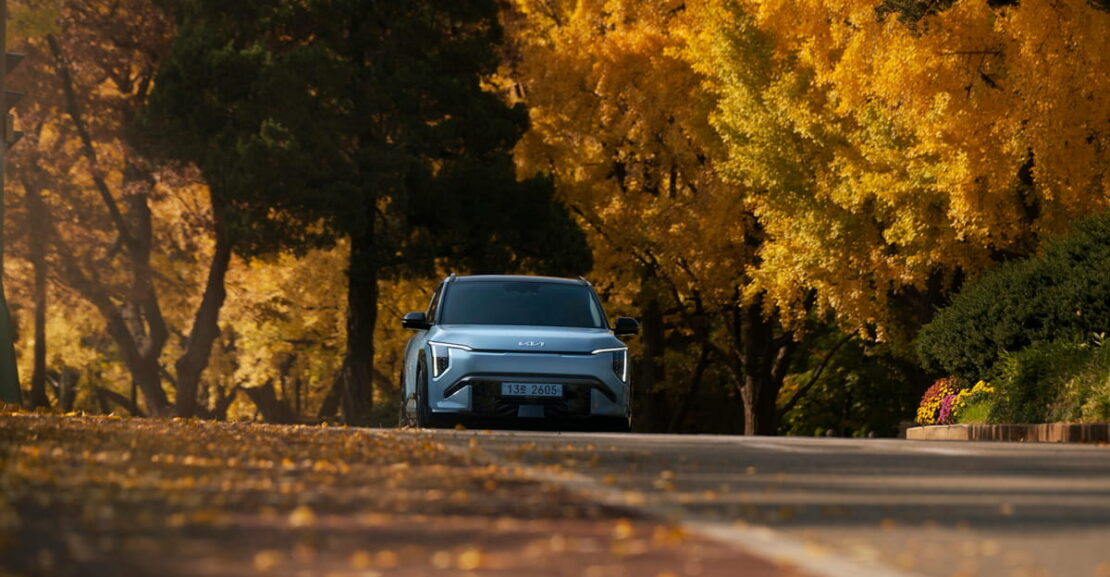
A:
(517, 278)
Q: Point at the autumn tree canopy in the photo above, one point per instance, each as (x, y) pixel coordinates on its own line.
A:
(621, 121)
(891, 153)
(225, 197)
(99, 218)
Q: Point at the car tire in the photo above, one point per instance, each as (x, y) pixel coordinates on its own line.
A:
(402, 417)
(611, 425)
(423, 412)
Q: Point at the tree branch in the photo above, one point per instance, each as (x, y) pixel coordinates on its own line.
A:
(74, 112)
(801, 392)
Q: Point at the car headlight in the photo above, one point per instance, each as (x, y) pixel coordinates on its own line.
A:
(620, 361)
(441, 356)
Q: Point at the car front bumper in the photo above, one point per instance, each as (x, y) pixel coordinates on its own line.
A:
(471, 386)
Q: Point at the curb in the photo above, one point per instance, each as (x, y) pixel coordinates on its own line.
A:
(1049, 433)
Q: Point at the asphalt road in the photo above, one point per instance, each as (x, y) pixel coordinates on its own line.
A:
(841, 507)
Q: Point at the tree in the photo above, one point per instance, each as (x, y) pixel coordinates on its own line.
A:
(371, 124)
(94, 198)
(621, 121)
(893, 157)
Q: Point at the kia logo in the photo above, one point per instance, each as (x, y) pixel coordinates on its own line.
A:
(530, 343)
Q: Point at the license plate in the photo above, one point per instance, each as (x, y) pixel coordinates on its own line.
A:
(531, 390)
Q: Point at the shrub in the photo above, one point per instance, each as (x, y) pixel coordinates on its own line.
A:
(929, 412)
(1062, 295)
(1031, 383)
(1084, 393)
(1096, 381)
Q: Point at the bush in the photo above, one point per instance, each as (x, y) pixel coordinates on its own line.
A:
(1084, 394)
(1027, 381)
(1095, 382)
(1062, 295)
(1058, 381)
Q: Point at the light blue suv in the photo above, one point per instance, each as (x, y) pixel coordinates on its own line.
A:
(516, 350)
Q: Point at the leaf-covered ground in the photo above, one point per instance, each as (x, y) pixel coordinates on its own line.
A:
(108, 496)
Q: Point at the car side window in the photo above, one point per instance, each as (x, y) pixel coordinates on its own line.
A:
(434, 304)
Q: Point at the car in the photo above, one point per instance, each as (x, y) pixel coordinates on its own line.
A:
(519, 351)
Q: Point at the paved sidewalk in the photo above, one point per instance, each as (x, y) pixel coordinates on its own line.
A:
(129, 497)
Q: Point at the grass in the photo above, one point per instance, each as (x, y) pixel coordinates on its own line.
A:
(975, 413)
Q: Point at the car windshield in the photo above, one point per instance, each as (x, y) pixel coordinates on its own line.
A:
(521, 303)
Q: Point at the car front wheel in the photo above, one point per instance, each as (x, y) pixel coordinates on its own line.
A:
(424, 418)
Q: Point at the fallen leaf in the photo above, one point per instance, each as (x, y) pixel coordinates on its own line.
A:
(302, 517)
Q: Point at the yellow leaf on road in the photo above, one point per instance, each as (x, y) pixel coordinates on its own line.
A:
(302, 517)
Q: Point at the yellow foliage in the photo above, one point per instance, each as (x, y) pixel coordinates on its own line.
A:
(619, 119)
(887, 154)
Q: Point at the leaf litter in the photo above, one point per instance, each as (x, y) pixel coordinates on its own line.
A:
(132, 497)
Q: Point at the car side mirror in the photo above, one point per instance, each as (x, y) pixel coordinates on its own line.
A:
(626, 326)
(416, 321)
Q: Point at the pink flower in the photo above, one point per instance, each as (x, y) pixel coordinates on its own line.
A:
(947, 414)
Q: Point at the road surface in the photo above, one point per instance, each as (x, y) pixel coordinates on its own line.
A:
(843, 506)
(92, 496)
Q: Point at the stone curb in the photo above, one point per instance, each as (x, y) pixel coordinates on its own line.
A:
(1050, 433)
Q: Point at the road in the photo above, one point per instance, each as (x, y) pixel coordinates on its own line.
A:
(91, 496)
(845, 507)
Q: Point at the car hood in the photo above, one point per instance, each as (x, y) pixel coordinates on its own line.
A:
(526, 339)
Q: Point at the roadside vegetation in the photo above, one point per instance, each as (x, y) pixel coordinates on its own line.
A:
(223, 213)
(1036, 330)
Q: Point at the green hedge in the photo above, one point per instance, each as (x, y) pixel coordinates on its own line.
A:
(1063, 295)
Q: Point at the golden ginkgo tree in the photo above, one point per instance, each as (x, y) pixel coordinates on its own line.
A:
(620, 119)
(895, 148)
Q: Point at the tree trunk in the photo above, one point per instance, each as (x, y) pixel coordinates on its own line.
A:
(146, 374)
(64, 384)
(356, 379)
(265, 398)
(764, 361)
(106, 395)
(222, 404)
(38, 214)
(206, 326)
(692, 391)
(9, 373)
(137, 325)
(330, 405)
(653, 408)
(143, 366)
